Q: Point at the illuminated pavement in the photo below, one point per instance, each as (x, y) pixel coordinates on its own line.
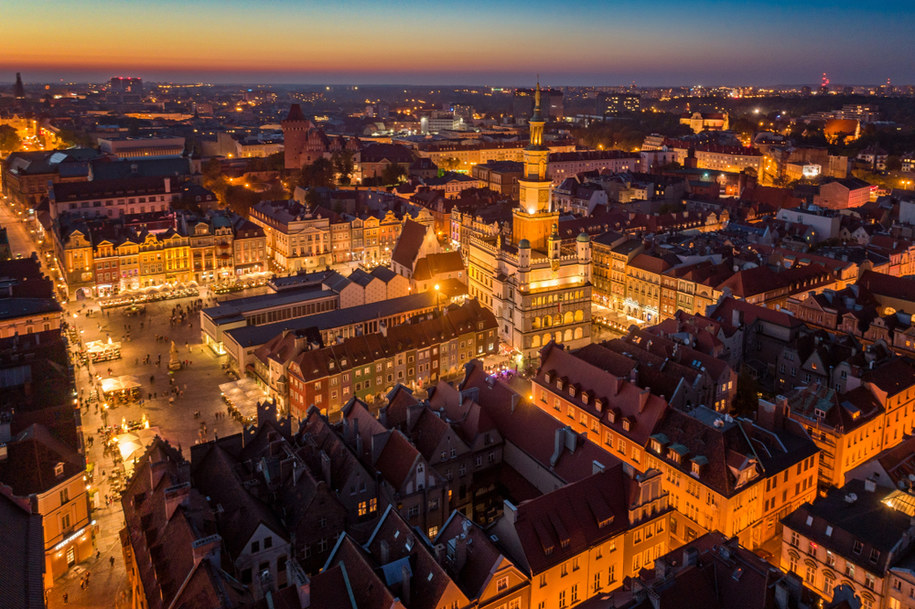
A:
(175, 422)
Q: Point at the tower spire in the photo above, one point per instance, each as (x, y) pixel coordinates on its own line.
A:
(537, 97)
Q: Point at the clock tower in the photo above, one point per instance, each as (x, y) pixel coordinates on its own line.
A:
(534, 219)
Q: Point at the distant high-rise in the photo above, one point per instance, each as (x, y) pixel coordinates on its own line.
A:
(125, 89)
(19, 88)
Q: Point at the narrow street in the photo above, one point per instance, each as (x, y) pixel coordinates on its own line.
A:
(16, 231)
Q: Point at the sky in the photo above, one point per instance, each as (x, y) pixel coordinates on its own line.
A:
(437, 42)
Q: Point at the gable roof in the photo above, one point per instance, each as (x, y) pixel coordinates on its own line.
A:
(556, 526)
(408, 244)
(21, 554)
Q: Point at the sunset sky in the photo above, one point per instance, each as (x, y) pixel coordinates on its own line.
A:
(477, 42)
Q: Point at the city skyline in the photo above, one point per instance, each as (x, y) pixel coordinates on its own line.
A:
(358, 42)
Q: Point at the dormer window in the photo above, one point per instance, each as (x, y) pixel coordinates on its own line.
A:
(59, 469)
(599, 404)
(611, 415)
(819, 414)
(627, 424)
(696, 468)
(572, 390)
(584, 397)
(559, 383)
(548, 377)
(656, 446)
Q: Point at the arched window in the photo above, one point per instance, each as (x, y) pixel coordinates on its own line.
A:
(568, 334)
(536, 323)
(579, 315)
(578, 333)
(535, 342)
(568, 317)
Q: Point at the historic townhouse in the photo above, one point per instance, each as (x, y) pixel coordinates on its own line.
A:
(713, 468)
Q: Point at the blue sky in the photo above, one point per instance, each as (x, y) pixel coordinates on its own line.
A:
(472, 42)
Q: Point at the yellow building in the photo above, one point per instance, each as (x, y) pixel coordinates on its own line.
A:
(572, 543)
(716, 477)
(538, 289)
(643, 287)
(51, 475)
(853, 427)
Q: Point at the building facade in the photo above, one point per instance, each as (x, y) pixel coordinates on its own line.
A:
(538, 289)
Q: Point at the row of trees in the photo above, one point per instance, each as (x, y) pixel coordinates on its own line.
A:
(339, 169)
(9, 138)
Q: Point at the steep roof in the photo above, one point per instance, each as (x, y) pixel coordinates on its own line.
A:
(866, 520)
(295, 113)
(21, 554)
(564, 523)
(640, 408)
(32, 459)
(408, 244)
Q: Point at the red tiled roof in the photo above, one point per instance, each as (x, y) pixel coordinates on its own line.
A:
(563, 523)
(411, 239)
(623, 397)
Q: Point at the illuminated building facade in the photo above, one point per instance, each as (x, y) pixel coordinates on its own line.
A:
(716, 475)
(538, 289)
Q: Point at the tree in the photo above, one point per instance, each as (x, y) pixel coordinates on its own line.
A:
(746, 400)
(9, 138)
(75, 138)
(393, 174)
(450, 164)
(319, 174)
(343, 165)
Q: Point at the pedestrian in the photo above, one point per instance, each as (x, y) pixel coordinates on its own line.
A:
(98, 555)
(66, 598)
(111, 561)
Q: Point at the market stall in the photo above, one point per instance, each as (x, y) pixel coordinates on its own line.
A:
(103, 351)
(121, 389)
(241, 398)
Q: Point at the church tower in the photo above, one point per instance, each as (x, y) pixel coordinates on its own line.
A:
(534, 218)
(19, 88)
(295, 136)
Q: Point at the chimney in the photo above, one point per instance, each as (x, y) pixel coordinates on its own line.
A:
(509, 511)
(325, 468)
(643, 398)
(597, 467)
(378, 442)
(207, 546)
(175, 496)
(690, 556)
(736, 317)
(516, 397)
(558, 445)
(869, 485)
(660, 568)
(384, 552)
(413, 413)
(781, 594)
(405, 585)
